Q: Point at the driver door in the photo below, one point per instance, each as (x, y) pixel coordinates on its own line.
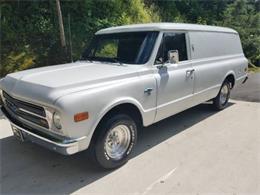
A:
(175, 81)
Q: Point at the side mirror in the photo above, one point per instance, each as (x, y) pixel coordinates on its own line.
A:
(173, 56)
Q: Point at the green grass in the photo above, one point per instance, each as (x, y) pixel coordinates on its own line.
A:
(253, 68)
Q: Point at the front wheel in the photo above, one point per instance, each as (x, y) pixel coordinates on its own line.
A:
(221, 101)
(115, 141)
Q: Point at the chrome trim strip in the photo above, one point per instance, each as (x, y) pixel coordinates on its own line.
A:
(23, 110)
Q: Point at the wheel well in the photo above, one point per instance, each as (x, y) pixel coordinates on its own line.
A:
(126, 108)
(231, 79)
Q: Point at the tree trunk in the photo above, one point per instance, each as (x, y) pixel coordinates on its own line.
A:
(62, 34)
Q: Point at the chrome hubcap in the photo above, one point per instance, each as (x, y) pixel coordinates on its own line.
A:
(117, 141)
(224, 94)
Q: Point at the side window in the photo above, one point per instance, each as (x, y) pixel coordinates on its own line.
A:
(172, 41)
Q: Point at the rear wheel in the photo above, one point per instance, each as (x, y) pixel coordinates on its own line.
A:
(115, 140)
(221, 101)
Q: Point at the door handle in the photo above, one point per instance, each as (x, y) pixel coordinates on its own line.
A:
(148, 90)
(189, 72)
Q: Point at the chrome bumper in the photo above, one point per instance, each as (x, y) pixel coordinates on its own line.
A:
(65, 147)
(245, 80)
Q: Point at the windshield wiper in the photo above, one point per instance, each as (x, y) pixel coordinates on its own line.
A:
(112, 60)
(117, 61)
(86, 59)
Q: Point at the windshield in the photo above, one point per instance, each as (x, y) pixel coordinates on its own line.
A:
(128, 48)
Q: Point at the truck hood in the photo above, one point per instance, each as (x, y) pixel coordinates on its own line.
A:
(45, 85)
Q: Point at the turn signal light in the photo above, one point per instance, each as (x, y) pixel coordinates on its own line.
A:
(81, 116)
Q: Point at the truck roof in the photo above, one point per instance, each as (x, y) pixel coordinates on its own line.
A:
(164, 26)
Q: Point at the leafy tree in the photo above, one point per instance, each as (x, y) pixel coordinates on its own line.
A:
(243, 16)
(29, 30)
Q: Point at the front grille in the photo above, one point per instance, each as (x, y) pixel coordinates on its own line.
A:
(27, 111)
(25, 105)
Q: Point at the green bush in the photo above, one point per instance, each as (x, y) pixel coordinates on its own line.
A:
(30, 31)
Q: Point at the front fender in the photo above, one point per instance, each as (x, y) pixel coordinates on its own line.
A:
(98, 101)
(112, 105)
(117, 102)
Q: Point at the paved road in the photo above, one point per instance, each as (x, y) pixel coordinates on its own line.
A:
(250, 91)
(199, 151)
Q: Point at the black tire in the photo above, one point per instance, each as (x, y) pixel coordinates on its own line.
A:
(100, 154)
(218, 102)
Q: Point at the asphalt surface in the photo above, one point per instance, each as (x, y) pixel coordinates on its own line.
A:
(249, 91)
(199, 151)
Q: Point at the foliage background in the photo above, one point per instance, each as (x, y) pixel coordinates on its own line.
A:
(29, 30)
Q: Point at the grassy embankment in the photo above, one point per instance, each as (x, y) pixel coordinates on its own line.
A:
(252, 68)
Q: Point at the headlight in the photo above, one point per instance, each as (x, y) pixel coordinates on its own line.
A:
(56, 120)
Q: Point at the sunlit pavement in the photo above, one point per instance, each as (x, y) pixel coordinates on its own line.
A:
(198, 151)
(250, 91)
